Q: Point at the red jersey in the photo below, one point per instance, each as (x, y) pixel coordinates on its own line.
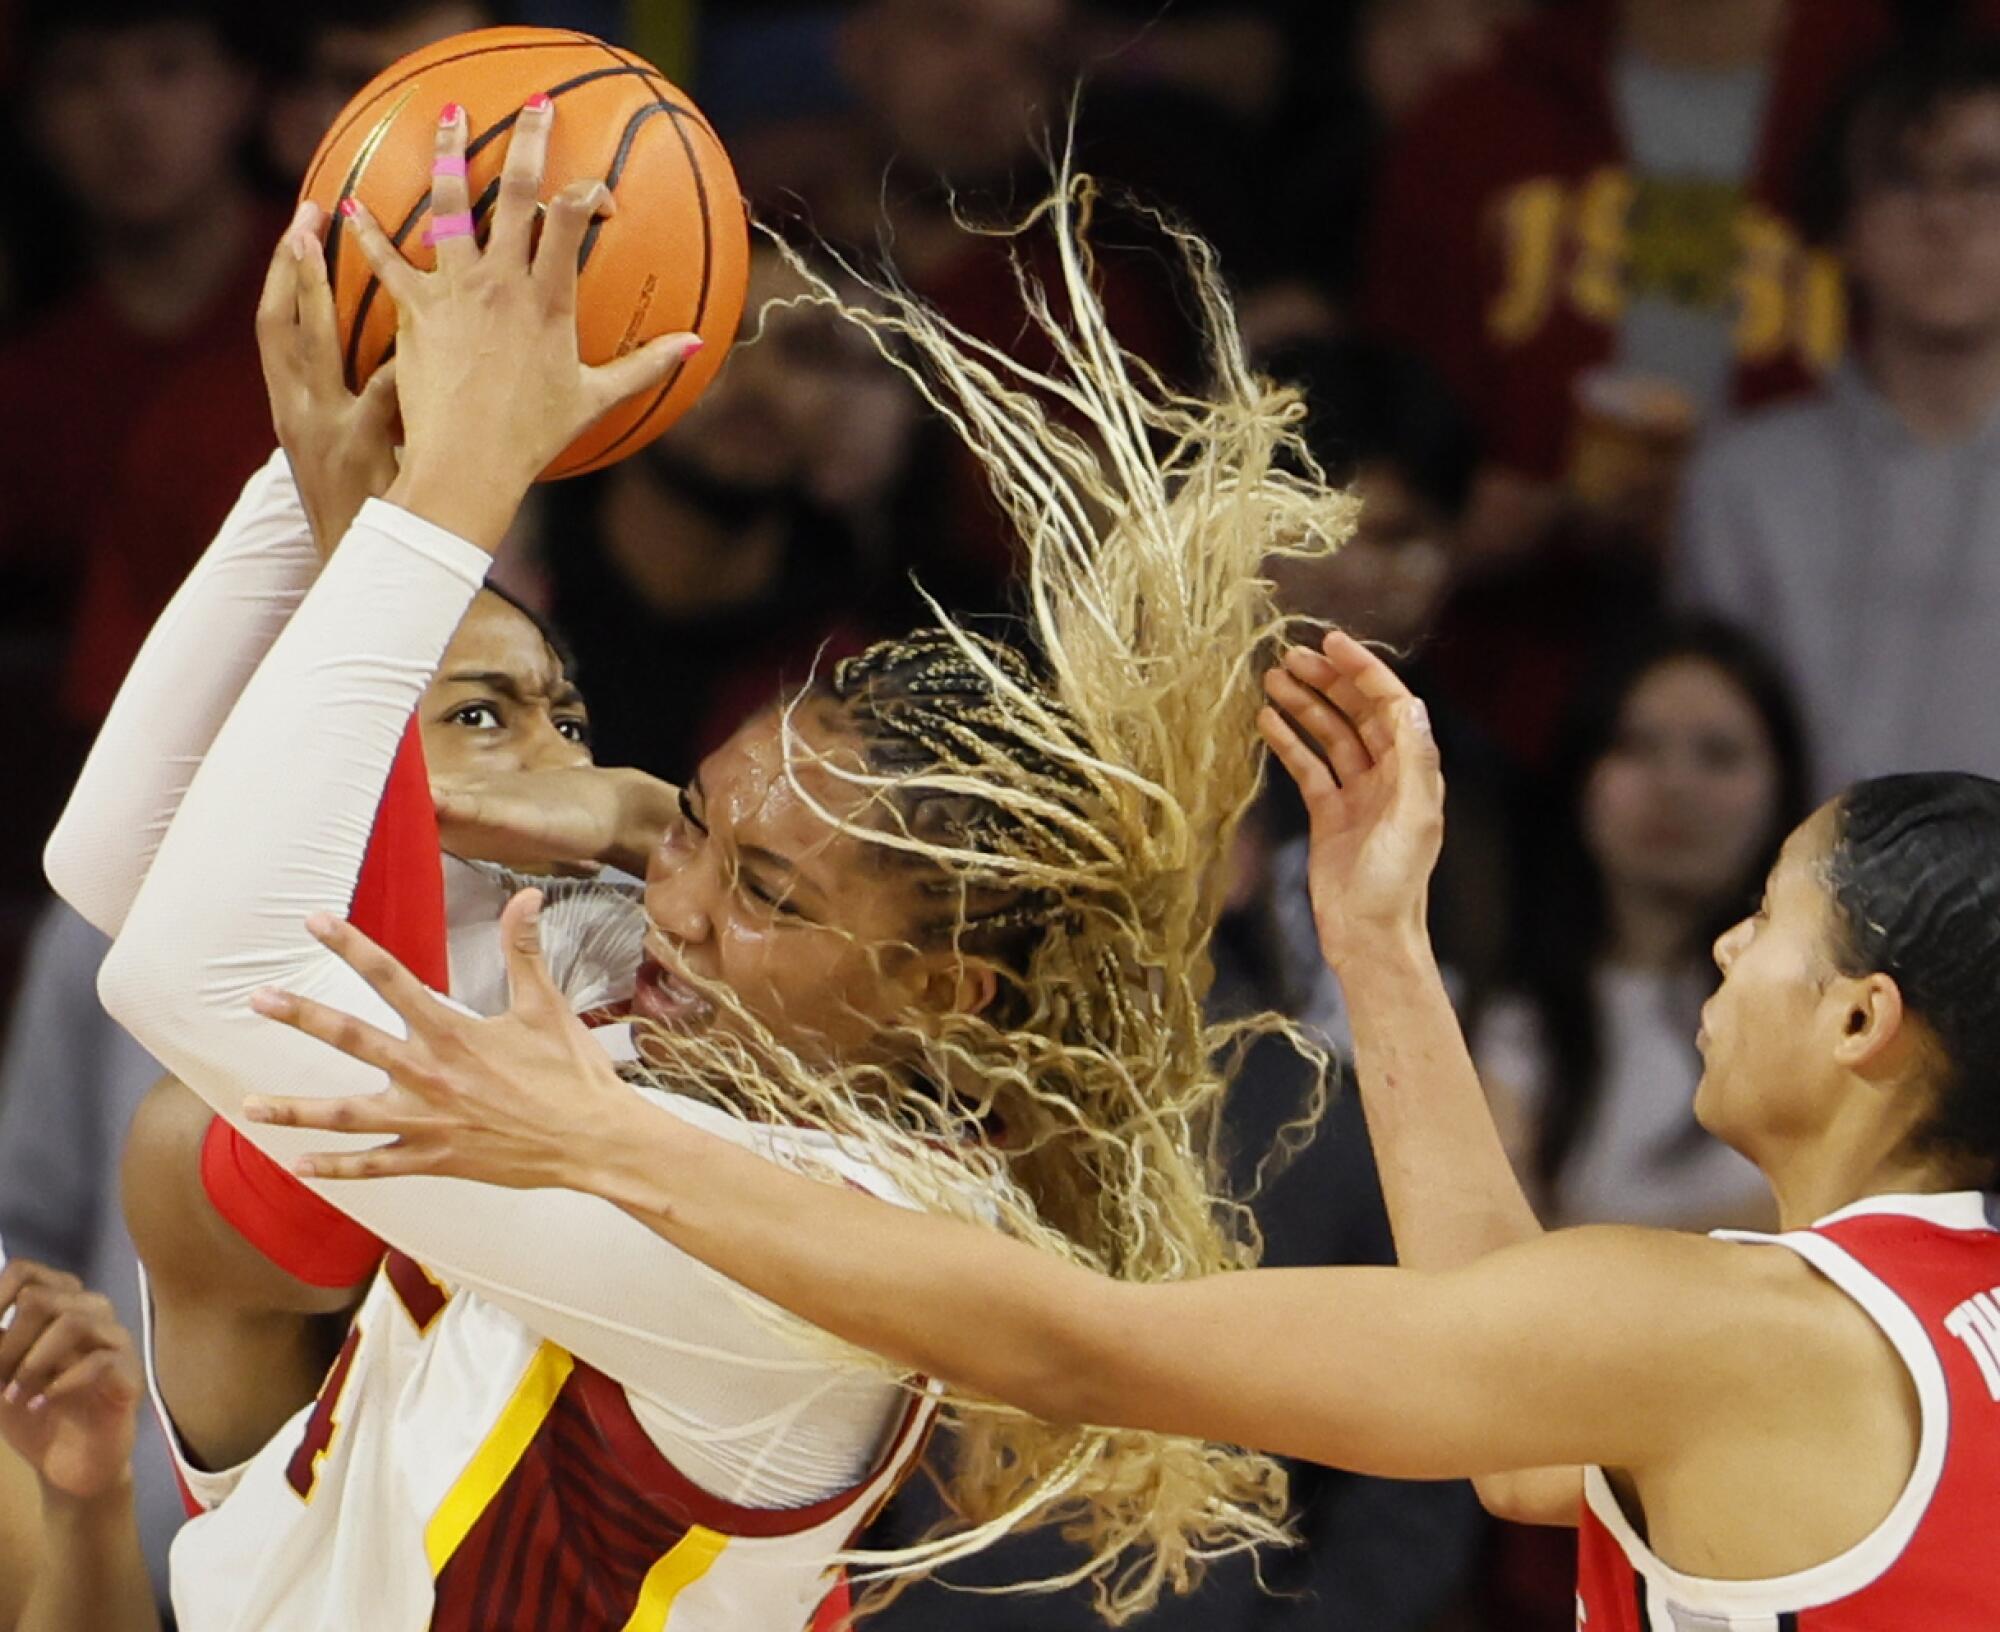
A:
(1927, 1270)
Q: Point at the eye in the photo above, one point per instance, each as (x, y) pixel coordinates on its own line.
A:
(776, 903)
(576, 728)
(475, 717)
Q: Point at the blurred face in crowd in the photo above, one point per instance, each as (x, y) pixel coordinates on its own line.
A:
(1923, 238)
(1408, 47)
(1383, 584)
(1685, 796)
(500, 702)
(960, 87)
(140, 122)
(340, 59)
(809, 406)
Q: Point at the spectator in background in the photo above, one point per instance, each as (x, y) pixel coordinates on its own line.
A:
(1381, 422)
(135, 403)
(700, 573)
(1594, 238)
(1862, 529)
(337, 47)
(1681, 772)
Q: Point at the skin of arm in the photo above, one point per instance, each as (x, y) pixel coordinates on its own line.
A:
(1451, 1192)
(239, 1344)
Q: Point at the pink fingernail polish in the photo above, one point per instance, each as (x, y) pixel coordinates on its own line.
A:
(38, 1402)
(449, 114)
(12, 1394)
(693, 346)
(540, 102)
(350, 207)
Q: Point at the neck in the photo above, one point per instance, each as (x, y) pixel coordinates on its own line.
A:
(1942, 390)
(1820, 1184)
(1714, 34)
(681, 558)
(161, 278)
(1649, 928)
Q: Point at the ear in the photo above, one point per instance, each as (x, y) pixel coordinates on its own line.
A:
(1873, 1025)
(961, 985)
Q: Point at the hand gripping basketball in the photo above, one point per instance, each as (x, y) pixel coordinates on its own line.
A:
(487, 368)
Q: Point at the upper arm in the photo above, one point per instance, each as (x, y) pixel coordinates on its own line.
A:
(1579, 1347)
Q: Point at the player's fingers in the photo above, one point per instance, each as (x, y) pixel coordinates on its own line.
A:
(513, 218)
(1328, 727)
(383, 1162)
(277, 304)
(1315, 782)
(450, 231)
(319, 332)
(80, 1328)
(1373, 716)
(1368, 670)
(530, 989)
(337, 1029)
(644, 369)
(357, 1113)
(399, 280)
(380, 406)
(568, 222)
(1419, 772)
(394, 984)
(22, 1273)
(37, 1307)
(112, 1374)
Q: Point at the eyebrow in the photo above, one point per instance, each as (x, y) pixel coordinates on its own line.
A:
(563, 694)
(755, 854)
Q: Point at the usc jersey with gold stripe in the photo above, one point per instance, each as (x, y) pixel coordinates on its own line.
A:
(457, 1473)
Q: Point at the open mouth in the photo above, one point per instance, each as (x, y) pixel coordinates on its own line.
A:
(664, 997)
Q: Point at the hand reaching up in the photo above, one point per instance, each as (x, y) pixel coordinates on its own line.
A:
(1359, 746)
(70, 1383)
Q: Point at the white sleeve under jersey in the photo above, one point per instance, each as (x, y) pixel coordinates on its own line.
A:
(273, 827)
(179, 690)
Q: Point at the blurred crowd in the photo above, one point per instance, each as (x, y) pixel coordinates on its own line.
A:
(1661, 339)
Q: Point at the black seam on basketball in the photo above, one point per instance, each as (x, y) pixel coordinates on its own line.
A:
(474, 148)
(619, 159)
(347, 124)
(701, 298)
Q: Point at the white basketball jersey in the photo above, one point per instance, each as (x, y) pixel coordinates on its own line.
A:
(456, 1473)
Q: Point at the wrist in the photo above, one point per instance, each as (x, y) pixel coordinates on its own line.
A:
(478, 507)
(109, 1506)
(1391, 950)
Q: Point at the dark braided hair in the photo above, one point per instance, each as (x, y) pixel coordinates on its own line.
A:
(1915, 878)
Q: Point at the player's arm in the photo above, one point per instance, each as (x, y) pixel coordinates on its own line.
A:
(70, 1390)
(239, 1345)
(1375, 794)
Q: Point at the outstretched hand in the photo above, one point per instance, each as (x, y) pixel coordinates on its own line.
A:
(572, 820)
(512, 1100)
(488, 374)
(70, 1383)
(1372, 787)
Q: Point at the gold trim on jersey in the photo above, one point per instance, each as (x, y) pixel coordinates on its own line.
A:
(685, 1563)
(505, 1444)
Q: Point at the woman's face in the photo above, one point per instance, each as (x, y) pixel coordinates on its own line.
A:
(500, 702)
(1684, 797)
(1769, 1031)
(809, 927)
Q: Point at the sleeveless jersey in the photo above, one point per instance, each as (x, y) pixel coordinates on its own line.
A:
(457, 1473)
(1927, 1270)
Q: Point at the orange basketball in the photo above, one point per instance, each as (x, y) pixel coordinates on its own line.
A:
(675, 256)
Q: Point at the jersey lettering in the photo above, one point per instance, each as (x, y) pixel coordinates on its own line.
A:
(302, 1472)
(1976, 1324)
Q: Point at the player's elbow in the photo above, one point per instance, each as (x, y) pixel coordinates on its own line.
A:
(1532, 1495)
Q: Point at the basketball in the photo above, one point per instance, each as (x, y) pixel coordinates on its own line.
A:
(674, 256)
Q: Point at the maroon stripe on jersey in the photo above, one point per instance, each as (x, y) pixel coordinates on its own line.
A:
(667, 1487)
(567, 1542)
(422, 1297)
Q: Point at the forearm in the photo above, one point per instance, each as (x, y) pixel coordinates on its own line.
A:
(93, 1576)
(942, 1297)
(1451, 1193)
(187, 676)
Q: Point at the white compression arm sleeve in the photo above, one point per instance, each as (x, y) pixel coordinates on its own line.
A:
(186, 678)
(273, 828)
